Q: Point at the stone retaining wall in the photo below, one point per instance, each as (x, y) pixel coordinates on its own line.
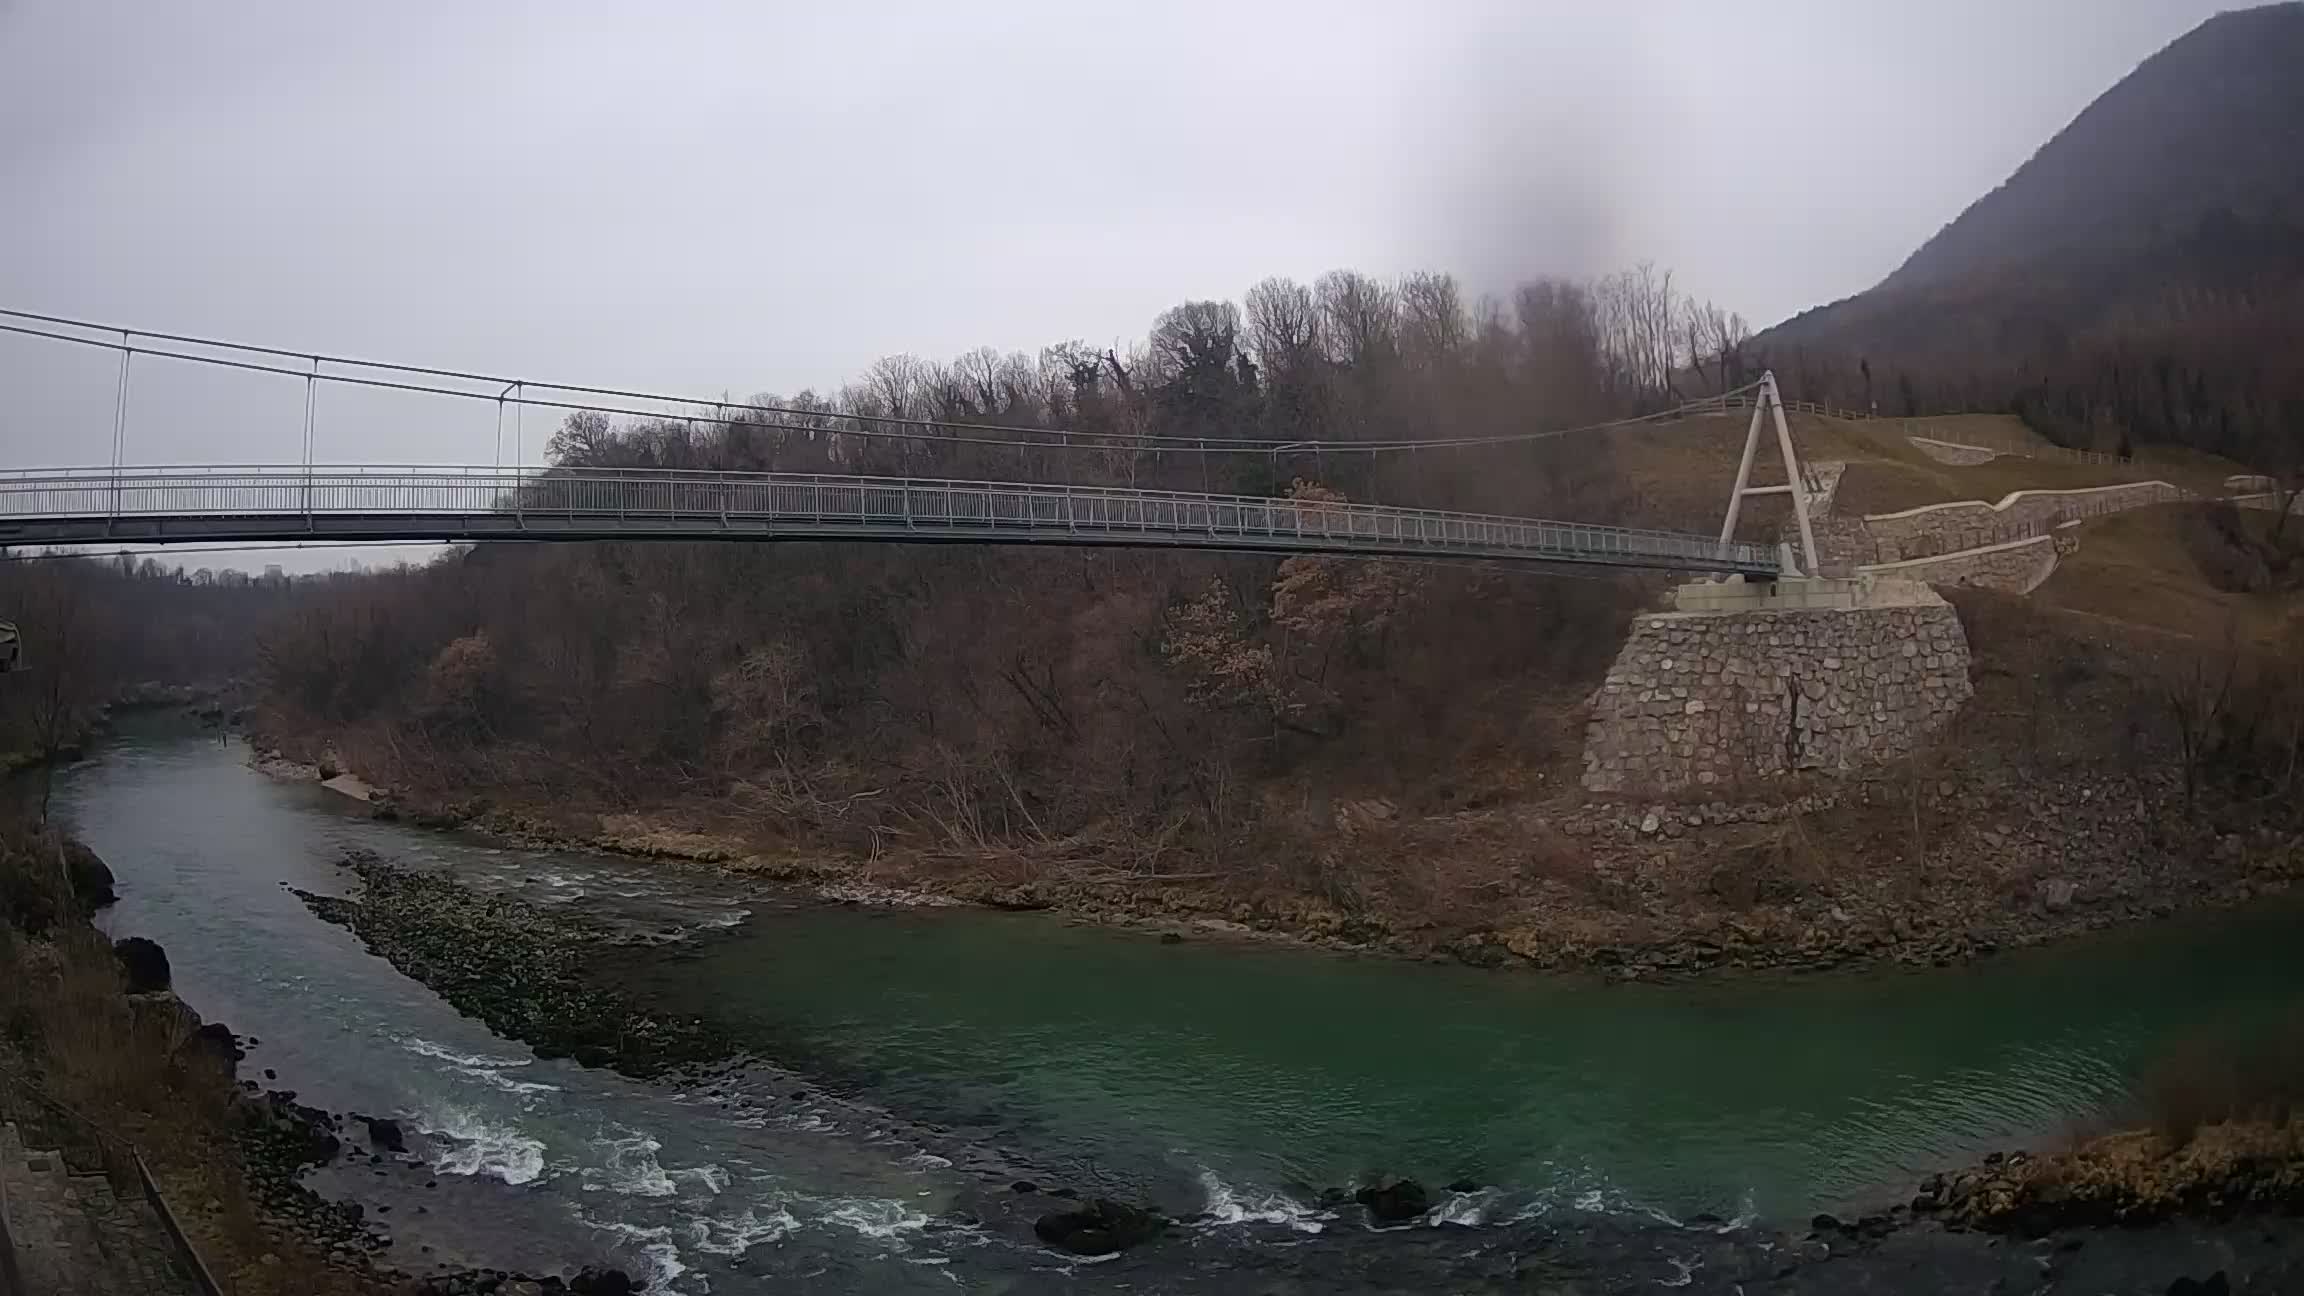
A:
(1945, 528)
(2017, 567)
(1711, 699)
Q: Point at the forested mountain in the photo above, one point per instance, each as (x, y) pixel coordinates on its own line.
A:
(2140, 278)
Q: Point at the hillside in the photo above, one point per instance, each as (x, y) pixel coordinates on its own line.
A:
(2205, 127)
(2140, 279)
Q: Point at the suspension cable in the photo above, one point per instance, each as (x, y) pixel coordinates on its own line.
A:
(821, 422)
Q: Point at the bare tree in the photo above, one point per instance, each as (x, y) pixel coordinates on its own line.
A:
(1433, 324)
(1639, 330)
(1714, 341)
(1359, 319)
(1283, 328)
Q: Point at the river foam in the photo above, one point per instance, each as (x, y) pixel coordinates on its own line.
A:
(660, 1264)
(1228, 1205)
(422, 1047)
(475, 1146)
(733, 1235)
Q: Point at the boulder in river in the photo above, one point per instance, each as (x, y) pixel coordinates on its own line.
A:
(91, 879)
(1395, 1203)
(145, 963)
(1102, 1227)
(601, 1282)
(385, 1134)
(214, 1041)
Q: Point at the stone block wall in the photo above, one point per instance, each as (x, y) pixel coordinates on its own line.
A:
(2017, 567)
(1945, 528)
(1714, 699)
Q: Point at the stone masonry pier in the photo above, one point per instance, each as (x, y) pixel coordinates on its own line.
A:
(1742, 683)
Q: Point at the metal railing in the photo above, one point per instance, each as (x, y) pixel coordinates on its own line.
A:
(123, 1165)
(11, 1280)
(1735, 401)
(80, 505)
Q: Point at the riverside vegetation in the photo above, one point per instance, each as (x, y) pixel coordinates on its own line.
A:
(1364, 753)
(82, 1017)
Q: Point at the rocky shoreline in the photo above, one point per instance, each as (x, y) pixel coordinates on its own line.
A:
(2129, 1179)
(515, 967)
(1951, 1231)
(281, 1139)
(2108, 857)
(269, 1138)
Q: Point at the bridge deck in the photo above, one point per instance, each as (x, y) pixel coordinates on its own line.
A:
(179, 505)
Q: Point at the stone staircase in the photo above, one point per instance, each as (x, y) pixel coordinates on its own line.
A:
(74, 1234)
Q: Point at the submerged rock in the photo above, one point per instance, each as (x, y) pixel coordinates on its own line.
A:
(1100, 1228)
(1395, 1203)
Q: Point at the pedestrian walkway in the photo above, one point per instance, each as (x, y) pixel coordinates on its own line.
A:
(74, 1235)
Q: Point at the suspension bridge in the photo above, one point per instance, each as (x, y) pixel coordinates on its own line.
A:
(124, 504)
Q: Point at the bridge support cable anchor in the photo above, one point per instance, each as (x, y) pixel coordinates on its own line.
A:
(1767, 404)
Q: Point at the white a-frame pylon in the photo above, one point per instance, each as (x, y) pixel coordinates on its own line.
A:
(1765, 403)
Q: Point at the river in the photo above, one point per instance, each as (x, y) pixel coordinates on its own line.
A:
(928, 1056)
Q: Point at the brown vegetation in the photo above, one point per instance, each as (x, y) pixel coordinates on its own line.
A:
(134, 1069)
(2223, 1129)
(1008, 712)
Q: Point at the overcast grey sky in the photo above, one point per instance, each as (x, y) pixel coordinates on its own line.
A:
(749, 197)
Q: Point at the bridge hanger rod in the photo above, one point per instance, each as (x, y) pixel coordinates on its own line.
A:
(930, 429)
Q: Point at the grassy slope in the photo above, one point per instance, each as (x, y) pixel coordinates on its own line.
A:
(1680, 472)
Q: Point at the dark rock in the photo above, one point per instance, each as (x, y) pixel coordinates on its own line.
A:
(601, 1282)
(1024, 1186)
(1480, 954)
(1171, 938)
(215, 1041)
(1395, 1203)
(145, 963)
(1100, 1228)
(385, 1134)
(91, 879)
(1464, 1186)
(1826, 1224)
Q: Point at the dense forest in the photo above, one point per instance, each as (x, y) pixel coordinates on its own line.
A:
(2140, 279)
(95, 631)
